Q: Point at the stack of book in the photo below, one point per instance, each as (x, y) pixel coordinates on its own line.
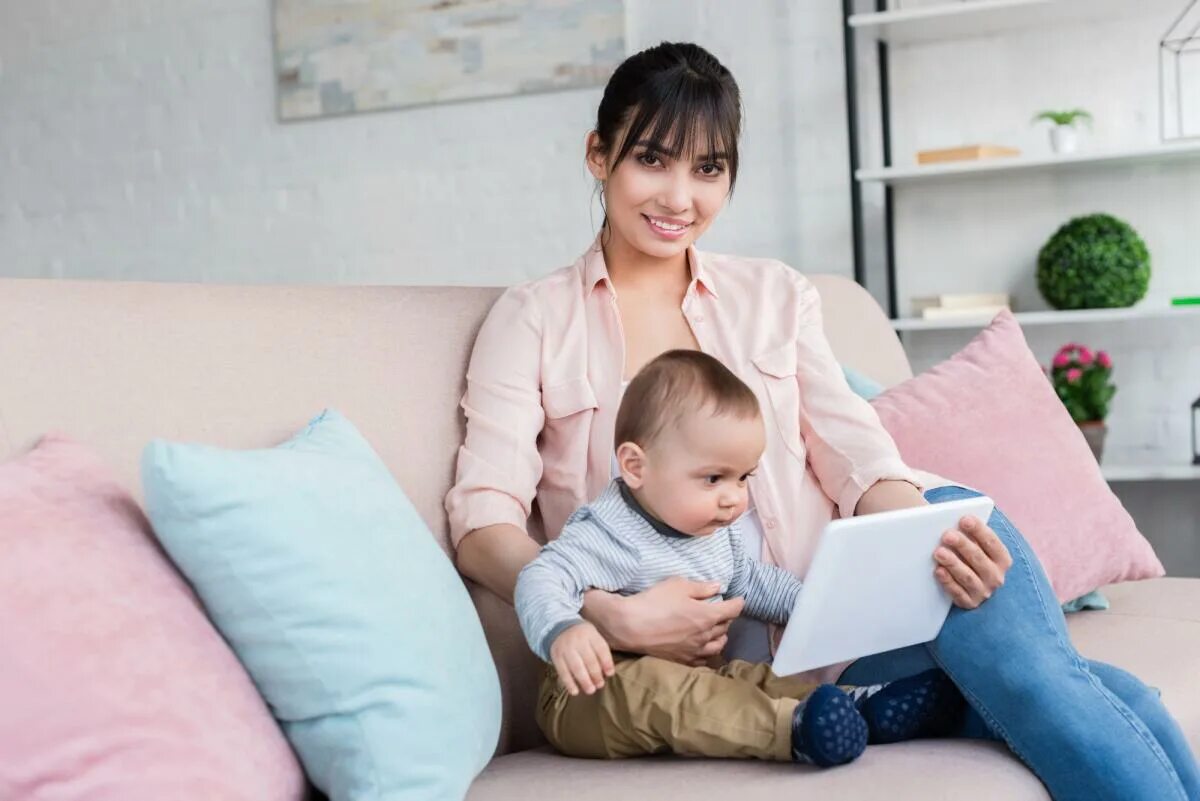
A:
(965, 153)
(985, 305)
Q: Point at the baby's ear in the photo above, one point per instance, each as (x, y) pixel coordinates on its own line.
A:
(631, 462)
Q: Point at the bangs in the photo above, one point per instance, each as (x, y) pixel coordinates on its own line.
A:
(686, 117)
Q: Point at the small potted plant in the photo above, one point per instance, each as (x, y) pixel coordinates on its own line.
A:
(1064, 136)
(1081, 380)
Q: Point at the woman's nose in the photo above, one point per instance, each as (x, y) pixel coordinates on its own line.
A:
(677, 194)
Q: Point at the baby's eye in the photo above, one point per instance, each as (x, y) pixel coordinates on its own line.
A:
(712, 480)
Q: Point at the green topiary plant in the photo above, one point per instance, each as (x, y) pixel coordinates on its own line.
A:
(1094, 262)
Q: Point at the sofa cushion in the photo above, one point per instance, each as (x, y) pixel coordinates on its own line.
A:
(965, 769)
(354, 624)
(113, 684)
(1170, 598)
(1152, 630)
(989, 418)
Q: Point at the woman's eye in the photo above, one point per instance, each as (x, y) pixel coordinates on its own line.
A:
(648, 159)
(711, 170)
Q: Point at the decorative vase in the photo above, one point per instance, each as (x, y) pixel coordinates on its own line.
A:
(1064, 139)
(1095, 432)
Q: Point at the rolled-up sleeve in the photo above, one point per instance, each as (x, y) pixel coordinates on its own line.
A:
(498, 463)
(847, 446)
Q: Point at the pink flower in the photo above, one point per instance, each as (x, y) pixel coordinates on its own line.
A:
(1062, 359)
(1073, 375)
(1085, 357)
(1104, 360)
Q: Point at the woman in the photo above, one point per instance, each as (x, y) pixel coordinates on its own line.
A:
(543, 388)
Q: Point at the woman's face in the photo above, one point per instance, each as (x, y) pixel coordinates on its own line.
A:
(657, 204)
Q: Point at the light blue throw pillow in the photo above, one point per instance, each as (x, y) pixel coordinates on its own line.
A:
(351, 620)
(862, 386)
(868, 388)
(1092, 600)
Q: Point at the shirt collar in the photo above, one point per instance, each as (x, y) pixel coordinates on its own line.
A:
(595, 270)
(655, 523)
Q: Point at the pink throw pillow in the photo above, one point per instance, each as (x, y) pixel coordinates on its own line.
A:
(113, 684)
(988, 418)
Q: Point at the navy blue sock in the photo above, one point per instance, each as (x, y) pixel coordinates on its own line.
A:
(925, 705)
(827, 729)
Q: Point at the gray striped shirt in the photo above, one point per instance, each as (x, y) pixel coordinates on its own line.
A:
(613, 545)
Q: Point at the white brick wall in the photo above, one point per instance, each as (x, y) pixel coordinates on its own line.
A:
(138, 140)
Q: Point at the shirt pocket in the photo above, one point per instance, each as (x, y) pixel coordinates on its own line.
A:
(570, 410)
(567, 398)
(777, 369)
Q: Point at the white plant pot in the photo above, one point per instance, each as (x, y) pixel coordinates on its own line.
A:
(1064, 138)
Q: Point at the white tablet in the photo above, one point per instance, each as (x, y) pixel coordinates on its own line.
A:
(871, 588)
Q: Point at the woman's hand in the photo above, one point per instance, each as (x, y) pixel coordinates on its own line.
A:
(971, 562)
(671, 620)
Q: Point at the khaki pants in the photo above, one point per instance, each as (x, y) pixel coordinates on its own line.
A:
(653, 706)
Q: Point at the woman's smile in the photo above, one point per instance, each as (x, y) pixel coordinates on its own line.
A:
(666, 227)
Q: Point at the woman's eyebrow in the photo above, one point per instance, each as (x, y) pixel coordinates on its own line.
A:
(659, 149)
(656, 147)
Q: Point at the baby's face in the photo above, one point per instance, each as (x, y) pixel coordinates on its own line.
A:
(695, 474)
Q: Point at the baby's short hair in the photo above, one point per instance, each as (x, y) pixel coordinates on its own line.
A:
(675, 384)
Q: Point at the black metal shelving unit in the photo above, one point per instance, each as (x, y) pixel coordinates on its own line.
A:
(867, 230)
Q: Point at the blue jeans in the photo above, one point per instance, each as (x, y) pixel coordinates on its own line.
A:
(1088, 730)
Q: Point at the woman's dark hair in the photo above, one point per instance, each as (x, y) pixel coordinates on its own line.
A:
(676, 96)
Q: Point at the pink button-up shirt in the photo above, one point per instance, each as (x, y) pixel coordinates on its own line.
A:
(544, 384)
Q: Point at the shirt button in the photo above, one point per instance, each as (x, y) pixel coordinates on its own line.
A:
(770, 523)
(699, 318)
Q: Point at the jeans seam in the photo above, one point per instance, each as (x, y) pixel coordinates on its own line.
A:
(1143, 734)
(983, 711)
(978, 703)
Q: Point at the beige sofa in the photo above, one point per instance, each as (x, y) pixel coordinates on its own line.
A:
(114, 364)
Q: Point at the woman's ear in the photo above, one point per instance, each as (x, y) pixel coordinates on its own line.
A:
(597, 161)
(631, 461)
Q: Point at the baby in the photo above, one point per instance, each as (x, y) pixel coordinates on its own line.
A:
(689, 433)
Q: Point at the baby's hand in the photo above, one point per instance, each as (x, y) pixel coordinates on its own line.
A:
(582, 658)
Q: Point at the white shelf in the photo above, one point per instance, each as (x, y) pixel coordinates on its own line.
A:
(957, 20)
(1169, 472)
(899, 176)
(1143, 312)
